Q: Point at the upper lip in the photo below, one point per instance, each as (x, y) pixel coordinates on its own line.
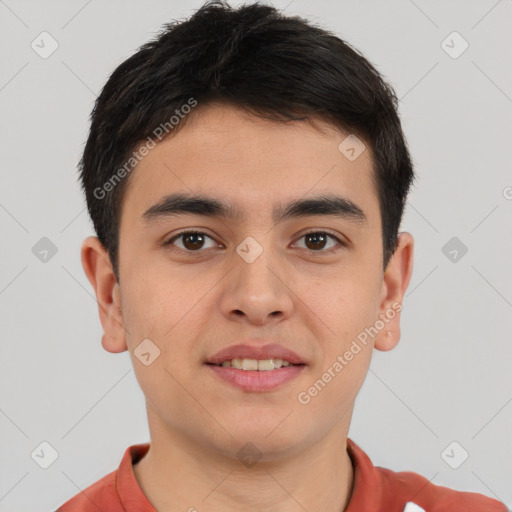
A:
(242, 351)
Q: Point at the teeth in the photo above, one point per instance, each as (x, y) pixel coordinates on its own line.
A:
(236, 363)
(249, 364)
(269, 364)
(255, 364)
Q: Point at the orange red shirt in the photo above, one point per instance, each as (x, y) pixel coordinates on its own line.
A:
(376, 489)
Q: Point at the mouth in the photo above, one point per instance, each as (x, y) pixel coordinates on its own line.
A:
(256, 357)
(260, 365)
(255, 380)
(256, 368)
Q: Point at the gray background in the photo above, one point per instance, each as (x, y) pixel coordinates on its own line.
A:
(448, 380)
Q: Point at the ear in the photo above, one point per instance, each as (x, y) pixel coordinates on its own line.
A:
(395, 282)
(98, 268)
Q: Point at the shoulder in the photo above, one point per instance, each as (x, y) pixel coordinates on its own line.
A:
(434, 498)
(378, 488)
(115, 491)
(97, 496)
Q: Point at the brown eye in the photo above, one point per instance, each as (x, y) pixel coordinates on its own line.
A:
(191, 241)
(317, 241)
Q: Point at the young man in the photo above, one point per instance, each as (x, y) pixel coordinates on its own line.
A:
(246, 174)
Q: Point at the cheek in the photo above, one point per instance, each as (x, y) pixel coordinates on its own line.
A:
(169, 312)
(157, 303)
(341, 308)
(160, 315)
(332, 390)
(344, 304)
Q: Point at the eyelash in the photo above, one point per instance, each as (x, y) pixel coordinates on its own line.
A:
(196, 232)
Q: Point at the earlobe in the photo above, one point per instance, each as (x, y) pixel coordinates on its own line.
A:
(387, 340)
(395, 282)
(98, 269)
(113, 345)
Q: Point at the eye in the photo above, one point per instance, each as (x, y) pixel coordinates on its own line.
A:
(192, 240)
(316, 240)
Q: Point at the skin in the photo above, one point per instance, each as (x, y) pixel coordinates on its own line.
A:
(192, 305)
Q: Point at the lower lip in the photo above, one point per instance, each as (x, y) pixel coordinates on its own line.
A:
(255, 380)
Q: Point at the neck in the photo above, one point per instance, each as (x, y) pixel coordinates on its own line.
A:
(177, 474)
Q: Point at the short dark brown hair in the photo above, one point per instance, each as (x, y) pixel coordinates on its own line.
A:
(274, 66)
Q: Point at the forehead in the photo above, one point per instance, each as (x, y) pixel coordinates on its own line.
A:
(253, 165)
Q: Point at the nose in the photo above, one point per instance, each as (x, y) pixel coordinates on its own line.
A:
(257, 293)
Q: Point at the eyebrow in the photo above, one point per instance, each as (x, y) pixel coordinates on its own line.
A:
(326, 204)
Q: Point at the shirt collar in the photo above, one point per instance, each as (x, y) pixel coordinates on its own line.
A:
(366, 489)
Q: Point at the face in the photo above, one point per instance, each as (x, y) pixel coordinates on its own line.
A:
(256, 274)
